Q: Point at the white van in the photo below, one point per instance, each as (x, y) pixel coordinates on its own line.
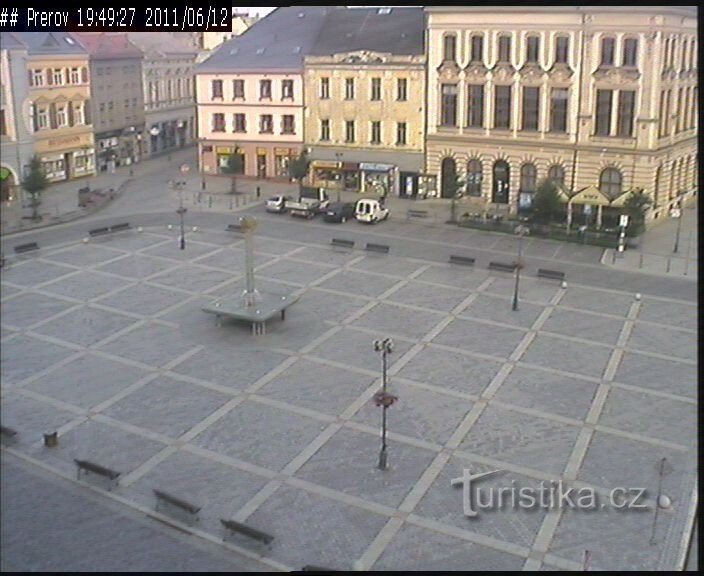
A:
(370, 210)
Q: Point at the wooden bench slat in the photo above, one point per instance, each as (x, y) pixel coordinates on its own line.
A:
(187, 506)
(247, 531)
(463, 260)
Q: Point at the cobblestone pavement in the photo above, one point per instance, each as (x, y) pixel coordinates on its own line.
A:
(105, 343)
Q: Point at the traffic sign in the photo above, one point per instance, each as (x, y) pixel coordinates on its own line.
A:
(675, 213)
(623, 221)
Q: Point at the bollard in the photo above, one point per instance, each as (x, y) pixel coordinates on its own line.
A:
(640, 262)
(210, 201)
(668, 266)
(258, 192)
(51, 440)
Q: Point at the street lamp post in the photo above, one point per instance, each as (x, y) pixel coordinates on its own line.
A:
(338, 156)
(202, 168)
(181, 211)
(383, 398)
(521, 231)
(679, 226)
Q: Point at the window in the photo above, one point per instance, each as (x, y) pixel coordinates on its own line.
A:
(79, 113)
(36, 78)
(562, 46)
(287, 124)
(264, 89)
(448, 112)
(349, 131)
(603, 112)
(630, 52)
(216, 89)
(402, 89)
(529, 177)
(324, 88)
(401, 133)
(475, 106)
(238, 89)
(266, 124)
(84, 76)
(349, 88)
(504, 49)
(449, 47)
(42, 117)
(502, 107)
(287, 89)
(532, 49)
(558, 110)
(376, 133)
(61, 116)
(610, 182)
(218, 122)
(3, 125)
(683, 58)
(626, 107)
(376, 89)
(556, 175)
(102, 107)
(239, 123)
(531, 104)
(75, 76)
(474, 178)
(477, 52)
(325, 130)
(607, 51)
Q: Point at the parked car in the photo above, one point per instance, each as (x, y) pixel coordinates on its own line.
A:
(370, 210)
(319, 195)
(278, 203)
(304, 208)
(340, 212)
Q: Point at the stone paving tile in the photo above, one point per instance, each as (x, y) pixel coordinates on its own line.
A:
(451, 370)
(33, 272)
(273, 247)
(480, 337)
(486, 307)
(85, 285)
(658, 374)
(231, 259)
(142, 299)
(152, 344)
(318, 387)
(24, 356)
(299, 518)
(239, 283)
(31, 419)
(521, 439)
(85, 326)
(171, 250)
(167, 406)
(455, 276)
(568, 355)
(530, 290)
(649, 415)
(679, 315)
(418, 549)
(359, 283)
(400, 267)
(6, 290)
(398, 321)
(84, 255)
(594, 300)
(654, 338)
(443, 503)
(331, 307)
(294, 271)
(137, 266)
(87, 381)
(29, 308)
(418, 413)
(131, 241)
(588, 326)
(6, 332)
(433, 297)
(348, 463)
(196, 279)
(337, 257)
(548, 392)
(260, 434)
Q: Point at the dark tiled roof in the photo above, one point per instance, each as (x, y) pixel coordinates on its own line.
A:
(161, 43)
(400, 31)
(9, 41)
(49, 43)
(103, 46)
(277, 42)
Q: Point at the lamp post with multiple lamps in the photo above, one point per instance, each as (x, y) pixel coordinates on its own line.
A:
(179, 186)
(521, 231)
(677, 213)
(383, 398)
(338, 156)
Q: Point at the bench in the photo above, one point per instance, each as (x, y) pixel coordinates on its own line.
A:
(380, 248)
(120, 227)
(551, 274)
(502, 267)
(417, 214)
(462, 260)
(26, 247)
(248, 531)
(8, 435)
(98, 231)
(164, 498)
(85, 466)
(109, 229)
(341, 243)
(234, 228)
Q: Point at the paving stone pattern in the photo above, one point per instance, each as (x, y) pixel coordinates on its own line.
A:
(105, 343)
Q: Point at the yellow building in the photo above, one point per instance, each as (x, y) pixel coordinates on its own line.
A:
(365, 101)
(600, 97)
(59, 104)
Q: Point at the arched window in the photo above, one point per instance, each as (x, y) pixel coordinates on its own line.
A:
(556, 174)
(448, 178)
(529, 177)
(610, 182)
(474, 178)
(501, 182)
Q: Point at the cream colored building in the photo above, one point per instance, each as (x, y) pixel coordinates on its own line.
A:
(601, 97)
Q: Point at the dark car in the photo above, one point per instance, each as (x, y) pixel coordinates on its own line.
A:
(339, 212)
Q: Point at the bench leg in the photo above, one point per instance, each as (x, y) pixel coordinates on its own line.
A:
(283, 314)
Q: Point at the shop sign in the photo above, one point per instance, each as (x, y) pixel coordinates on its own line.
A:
(69, 141)
(325, 164)
(375, 167)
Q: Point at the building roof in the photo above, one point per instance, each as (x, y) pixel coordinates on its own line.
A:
(39, 43)
(8, 41)
(162, 44)
(106, 46)
(277, 42)
(390, 30)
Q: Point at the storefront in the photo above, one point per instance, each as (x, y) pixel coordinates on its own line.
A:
(67, 157)
(377, 178)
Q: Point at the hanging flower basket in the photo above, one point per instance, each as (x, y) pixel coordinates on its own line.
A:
(384, 399)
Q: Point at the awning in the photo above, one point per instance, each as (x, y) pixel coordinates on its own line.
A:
(590, 195)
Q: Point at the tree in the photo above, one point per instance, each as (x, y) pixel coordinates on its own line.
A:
(298, 169)
(234, 166)
(34, 183)
(636, 207)
(546, 203)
